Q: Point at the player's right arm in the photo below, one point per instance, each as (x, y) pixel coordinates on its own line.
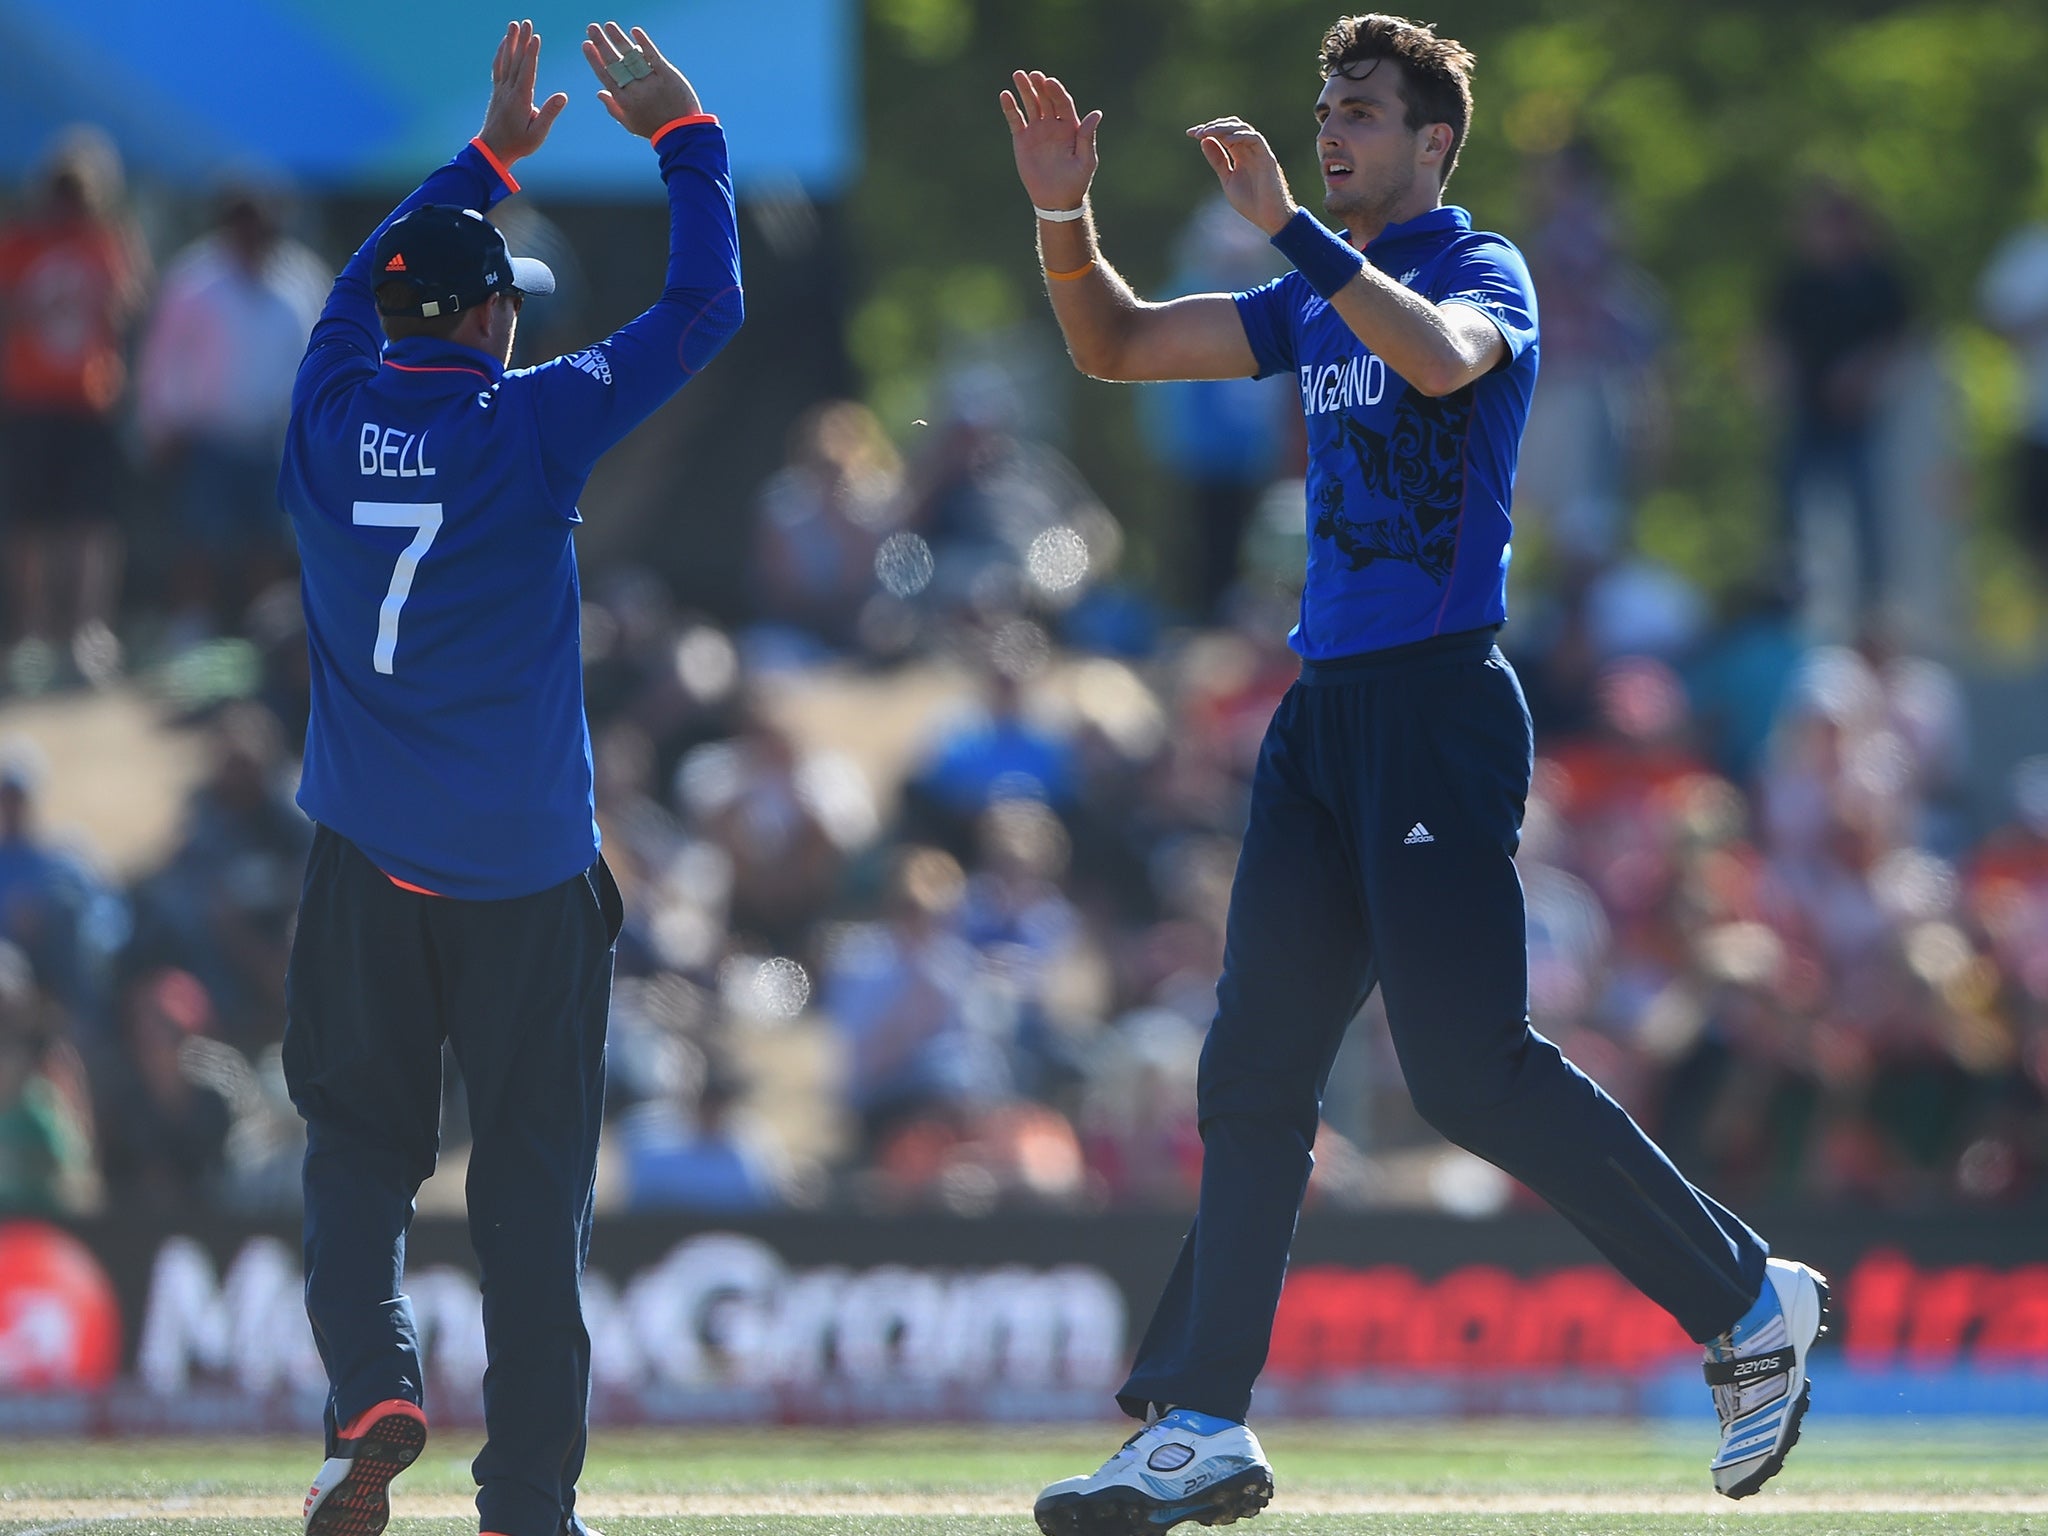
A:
(1110, 331)
(480, 176)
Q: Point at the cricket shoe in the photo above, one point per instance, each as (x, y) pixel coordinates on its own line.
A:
(1183, 1466)
(1758, 1372)
(351, 1496)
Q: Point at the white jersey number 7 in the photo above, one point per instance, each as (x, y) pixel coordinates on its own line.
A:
(422, 515)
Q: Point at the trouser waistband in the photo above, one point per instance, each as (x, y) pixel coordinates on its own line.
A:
(1466, 644)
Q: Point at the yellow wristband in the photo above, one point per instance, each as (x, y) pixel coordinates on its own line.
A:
(1068, 277)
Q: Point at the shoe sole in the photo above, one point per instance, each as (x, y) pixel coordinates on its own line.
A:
(360, 1504)
(1775, 1462)
(1124, 1512)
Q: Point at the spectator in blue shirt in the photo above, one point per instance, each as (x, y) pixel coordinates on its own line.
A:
(703, 1162)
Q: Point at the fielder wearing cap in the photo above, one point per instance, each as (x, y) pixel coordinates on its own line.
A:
(439, 260)
(455, 892)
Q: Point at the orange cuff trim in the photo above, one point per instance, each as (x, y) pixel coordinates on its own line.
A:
(504, 171)
(655, 137)
(1069, 277)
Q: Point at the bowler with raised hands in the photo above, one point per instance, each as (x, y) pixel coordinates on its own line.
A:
(1386, 807)
(456, 892)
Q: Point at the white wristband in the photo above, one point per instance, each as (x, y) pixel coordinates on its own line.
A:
(1060, 215)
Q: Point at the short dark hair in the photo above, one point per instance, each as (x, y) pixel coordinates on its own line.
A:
(440, 327)
(1436, 72)
(398, 327)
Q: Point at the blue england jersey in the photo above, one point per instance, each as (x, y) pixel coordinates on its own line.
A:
(434, 497)
(1408, 495)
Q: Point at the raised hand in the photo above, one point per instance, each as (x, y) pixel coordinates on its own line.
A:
(1054, 144)
(643, 106)
(1243, 162)
(513, 127)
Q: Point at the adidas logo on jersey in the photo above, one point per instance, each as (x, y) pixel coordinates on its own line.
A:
(1419, 834)
(594, 363)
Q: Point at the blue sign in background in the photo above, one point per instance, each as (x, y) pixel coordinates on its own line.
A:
(367, 94)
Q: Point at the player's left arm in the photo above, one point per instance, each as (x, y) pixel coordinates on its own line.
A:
(1438, 348)
(585, 403)
(479, 176)
(1485, 285)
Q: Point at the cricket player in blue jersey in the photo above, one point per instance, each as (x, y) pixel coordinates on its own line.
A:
(455, 891)
(1387, 802)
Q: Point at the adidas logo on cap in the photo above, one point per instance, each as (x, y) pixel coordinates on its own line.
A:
(396, 263)
(1419, 834)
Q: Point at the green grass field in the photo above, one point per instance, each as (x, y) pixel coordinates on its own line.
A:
(1486, 1479)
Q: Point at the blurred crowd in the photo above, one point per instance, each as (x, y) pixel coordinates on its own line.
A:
(926, 862)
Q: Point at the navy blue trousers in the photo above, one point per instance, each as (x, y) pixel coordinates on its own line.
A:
(521, 990)
(1386, 810)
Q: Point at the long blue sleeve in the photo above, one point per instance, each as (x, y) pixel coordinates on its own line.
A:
(589, 400)
(348, 331)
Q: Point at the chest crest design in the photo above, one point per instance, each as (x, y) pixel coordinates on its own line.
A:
(1419, 463)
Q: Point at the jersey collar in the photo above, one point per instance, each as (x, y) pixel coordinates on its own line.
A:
(431, 355)
(1435, 224)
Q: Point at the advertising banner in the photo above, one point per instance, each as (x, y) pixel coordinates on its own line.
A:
(118, 1327)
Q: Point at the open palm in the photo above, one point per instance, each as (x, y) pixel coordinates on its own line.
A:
(513, 127)
(1054, 144)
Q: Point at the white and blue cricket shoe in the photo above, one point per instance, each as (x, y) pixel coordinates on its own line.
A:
(1182, 1466)
(1758, 1372)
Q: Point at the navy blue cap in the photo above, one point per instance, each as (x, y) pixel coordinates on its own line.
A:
(450, 259)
